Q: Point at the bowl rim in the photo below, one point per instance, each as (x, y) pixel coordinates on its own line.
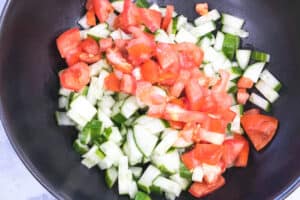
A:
(283, 194)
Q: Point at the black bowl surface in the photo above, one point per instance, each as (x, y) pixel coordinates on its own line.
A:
(29, 63)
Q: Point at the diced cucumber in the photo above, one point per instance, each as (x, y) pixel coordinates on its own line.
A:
(271, 80)
(63, 102)
(231, 87)
(162, 36)
(133, 189)
(253, 71)
(183, 182)
(235, 126)
(268, 92)
(94, 91)
(232, 21)
(243, 57)
(212, 15)
(230, 45)
(209, 70)
(79, 147)
(150, 174)
(106, 121)
(134, 154)
(99, 31)
(105, 163)
(154, 6)
(118, 6)
(93, 130)
(166, 143)
(182, 143)
(181, 21)
(142, 196)
(203, 29)
(211, 172)
(153, 125)
(219, 41)
(212, 137)
(129, 107)
(260, 102)
(62, 119)
(106, 103)
(92, 157)
(64, 92)
(144, 140)
(167, 185)
(115, 136)
(111, 176)
(260, 56)
(234, 31)
(205, 42)
(83, 22)
(170, 196)
(185, 172)
(136, 172)
(112, 151)
(168, 163)
(142, 3)
(163, 12)
(185, 36)
(188, 26)
(235, 72)
(111, 20)
(99, 66)
(198, 174)
(124, 176)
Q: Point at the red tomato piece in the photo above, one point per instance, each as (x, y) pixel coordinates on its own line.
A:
(156, 110)
(166, 55)
(176, 125)
(68, 41)
(190, 55)
(167, 78)
(181, 81)
(102, 9)
(116, 59)
(259, 128)
(91, 17)
(89, 58)
(189, 160)
(129, 17)
(120, 43)
(231, 150)
(221, 86)
(90, 46)
(75, 77)
(128, 84)
(252, 111)
(202, 189)
(150, 18)
(194, 94)
(215, 125)
(242, 159)
(73, 56)
(208, 153)
(168, 17)
(105, 44)
(89, 5)
(227, 115)
(112, 82)
(150, 71)
(201, 8)
(242, 96)
(245, 83)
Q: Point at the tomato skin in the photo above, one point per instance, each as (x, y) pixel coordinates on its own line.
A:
(176, 125)
(242, 96)
(102, 9)
(139, 52)
(190, 55)
(252, 111)
(112, 82)
(89, 5)
(231, 150)
(242, 159)
(259, 128)
(189, 160)
(73, 57)
(194, 94)
(201, 8)
(151, 18)
(91, 18)
(208, 153)
(89, 58)
(156, 111)
(129, 17)
(245, 83)
(127, 84)
(105, 44)
(150, 71)
(68, 41)
(89, 46)
(75, 77)
(166, 55)
(116, 59)
(180, 83)
(168, 18)
(199, 190)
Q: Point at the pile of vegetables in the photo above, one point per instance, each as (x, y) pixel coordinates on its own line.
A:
(158, 101)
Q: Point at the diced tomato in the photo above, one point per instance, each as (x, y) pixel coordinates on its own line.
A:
(116, 59)
(242, 96)
(252, 111)
(91, 17)
(209, 104)
(168, 17)
(221, 86)
(259, 128)
(223, 100)
(215, 125)
(89, 58)
(176, 113)
(129, 17)
(68, 41)
(189, 160)
(120, 43)
(194, 93)
(176, 125)
(208, 153)
(75, 77)
(105, 44)
(166, 55)
(167, 78)
(150, 71)
(190, 55)
(89, 5)
(112, 82)
(102, 9)
(151, 18)
(139, 51)
(73, 57)
(242, 159)
(202, 189)
(128, 84)
(202, 8)
(245, 83)
(156, 110)
(231, 150)
(181, 81)
(227, 115)
(204, 135)
(89, 46)
(178, 102)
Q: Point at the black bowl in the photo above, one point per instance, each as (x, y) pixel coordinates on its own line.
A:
(29, 63)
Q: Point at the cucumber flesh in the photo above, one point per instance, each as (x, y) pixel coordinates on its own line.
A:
(268, 92)
(232, 21)
(243, 57)
(253, 71)
(134, 155)
(168, 163)
(111, 176)
(150, 174)
(203, 29)
(167, 185)
(129, 107)
(212, 15)
(167, 142)
(271, 80)
(136, 172)
(153, 125)
(185, 36)
(219, 41)
(260, 102)
(184, 183)
(260, 56)
(198, 174)
(142, 196)
(234, 31)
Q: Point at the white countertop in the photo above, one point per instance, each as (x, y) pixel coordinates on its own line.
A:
(16, 182)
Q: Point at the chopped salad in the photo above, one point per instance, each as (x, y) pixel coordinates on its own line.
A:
(158, 100)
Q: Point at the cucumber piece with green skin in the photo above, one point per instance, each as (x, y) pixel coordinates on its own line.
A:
(231, 87)
(183, 182)
(105, 163)
(253, 71)
(271, 80)
(112, 151)
(170, 196)
(169, 162)
(99, 31)
(124, 176)
(212, 15)
(232, 21)
(142, 196)
(153, 125)
(203, 29)
(133, 189)
(156, 190)
(83, 22)
(235, 125)
(106, 121)
(185, 36)
(134, 154)
(115, 136)
(62, 119)
(64, 92)
(136, 172)
(111, 176)
(162, 36)
(93, 128)
(260, 102)
(92, 157)
(142, 3)
(260, 56)
(118, 5)
(235, 72)
(268, 92)
(167, 185)
(146, 180)
(98, 67)
(129, 107)
(185, 172)
(144, 140)
(243, 57)
(166, 142)
(79, 147)
(63, 102)
(230, 45)
(119, 118)
(234, 31)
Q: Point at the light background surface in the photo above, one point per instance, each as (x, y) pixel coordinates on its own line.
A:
(17, 183)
